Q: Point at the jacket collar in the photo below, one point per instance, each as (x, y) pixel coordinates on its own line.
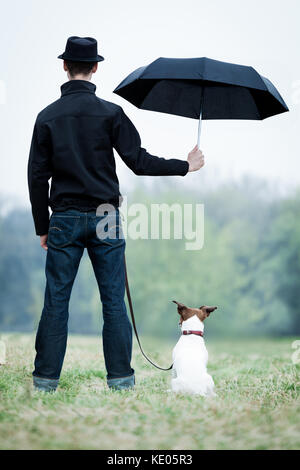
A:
(77, 86)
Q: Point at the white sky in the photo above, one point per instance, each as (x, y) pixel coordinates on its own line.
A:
(261, 33)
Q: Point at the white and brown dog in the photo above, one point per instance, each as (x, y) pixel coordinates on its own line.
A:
(189, 374)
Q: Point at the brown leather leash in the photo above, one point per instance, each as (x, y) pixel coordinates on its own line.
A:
(133, 321)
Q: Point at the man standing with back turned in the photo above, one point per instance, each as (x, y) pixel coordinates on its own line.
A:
(72, 144)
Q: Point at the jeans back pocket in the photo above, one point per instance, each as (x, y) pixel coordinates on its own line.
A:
(62, 230)
(109, 230)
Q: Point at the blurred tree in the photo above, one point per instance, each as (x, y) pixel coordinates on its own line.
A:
(283, 259)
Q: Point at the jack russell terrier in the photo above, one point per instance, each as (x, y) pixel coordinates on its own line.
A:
(189, 374)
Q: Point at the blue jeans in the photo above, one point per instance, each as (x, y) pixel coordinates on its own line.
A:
(69, 233)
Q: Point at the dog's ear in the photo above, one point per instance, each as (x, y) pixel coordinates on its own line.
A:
(210, 310)
(182, 310)
(207, 310)
(180, 307)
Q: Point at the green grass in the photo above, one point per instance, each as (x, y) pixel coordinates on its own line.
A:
(257, 406)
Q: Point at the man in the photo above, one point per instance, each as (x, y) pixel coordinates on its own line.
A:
(72, 145)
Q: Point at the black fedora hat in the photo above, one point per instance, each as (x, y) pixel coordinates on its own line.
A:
(81, 50)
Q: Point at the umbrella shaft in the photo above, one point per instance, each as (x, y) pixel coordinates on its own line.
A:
(199, 129)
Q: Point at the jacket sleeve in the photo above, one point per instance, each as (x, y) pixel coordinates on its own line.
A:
(39, 173)
(127, 142)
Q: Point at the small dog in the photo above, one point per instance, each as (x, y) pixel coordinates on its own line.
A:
(189, 374)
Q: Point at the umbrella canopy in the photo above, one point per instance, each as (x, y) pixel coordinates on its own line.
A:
(202, 88)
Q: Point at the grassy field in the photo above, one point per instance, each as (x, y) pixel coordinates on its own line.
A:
(257, 406)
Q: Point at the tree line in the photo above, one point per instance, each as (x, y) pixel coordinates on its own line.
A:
(249, 267)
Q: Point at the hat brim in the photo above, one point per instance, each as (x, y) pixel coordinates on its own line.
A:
(98, 58)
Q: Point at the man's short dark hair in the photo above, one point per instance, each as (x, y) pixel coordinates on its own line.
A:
(76, 68)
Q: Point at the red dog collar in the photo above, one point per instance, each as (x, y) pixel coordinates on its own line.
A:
(192, 332)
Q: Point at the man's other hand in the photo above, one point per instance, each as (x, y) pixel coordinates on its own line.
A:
(43, 241)
(195, 159)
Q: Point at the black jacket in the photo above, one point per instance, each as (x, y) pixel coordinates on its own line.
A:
(72, 143)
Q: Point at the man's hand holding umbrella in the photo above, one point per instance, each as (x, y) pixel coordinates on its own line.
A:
(195, 159)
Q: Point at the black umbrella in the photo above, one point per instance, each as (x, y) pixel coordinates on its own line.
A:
(202, 88)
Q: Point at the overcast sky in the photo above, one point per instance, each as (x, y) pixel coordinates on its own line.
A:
(261, 33)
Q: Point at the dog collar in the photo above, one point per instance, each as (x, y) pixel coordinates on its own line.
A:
(192, 332)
